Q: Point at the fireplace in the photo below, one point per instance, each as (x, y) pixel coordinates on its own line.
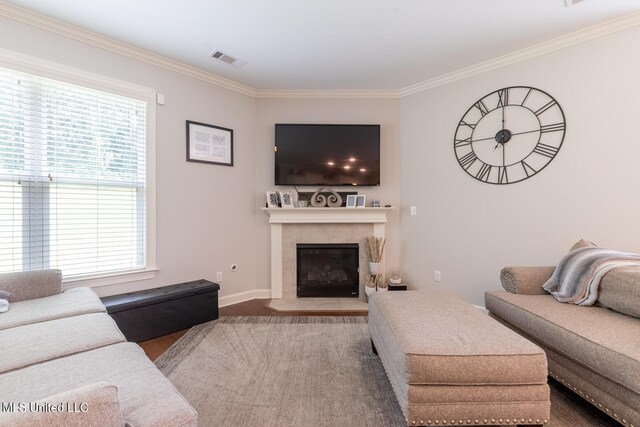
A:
(327, 270)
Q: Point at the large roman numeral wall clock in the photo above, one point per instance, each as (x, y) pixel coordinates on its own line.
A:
(509, 135)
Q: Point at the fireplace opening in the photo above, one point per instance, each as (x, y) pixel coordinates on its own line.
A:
(327, 270)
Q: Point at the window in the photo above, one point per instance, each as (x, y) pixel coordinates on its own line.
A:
(73, 178)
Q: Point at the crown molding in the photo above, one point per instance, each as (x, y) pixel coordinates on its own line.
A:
(75, 33)
(328, 94)
(40, 21)
(612, 26)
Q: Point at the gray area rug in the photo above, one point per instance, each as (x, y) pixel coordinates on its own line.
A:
(282, 371)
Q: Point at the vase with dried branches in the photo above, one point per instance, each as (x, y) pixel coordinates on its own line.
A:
(375, 282)
(375, 250)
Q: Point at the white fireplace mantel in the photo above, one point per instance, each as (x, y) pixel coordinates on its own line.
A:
(280, 216)
(327, 215)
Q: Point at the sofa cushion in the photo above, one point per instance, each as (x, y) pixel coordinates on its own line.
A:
(94, 405)
(71, 302)
(443, 340)
(29, 344)
(26, 285)
(620, 291)
(146, 397)
(602, 339)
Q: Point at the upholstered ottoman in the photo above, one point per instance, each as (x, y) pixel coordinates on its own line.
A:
(451, 364)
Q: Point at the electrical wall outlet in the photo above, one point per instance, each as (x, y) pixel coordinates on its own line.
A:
(219, 276)
(437, 276)
(413, 210)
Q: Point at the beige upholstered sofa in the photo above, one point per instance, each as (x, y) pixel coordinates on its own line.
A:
(594, 351)
(64, 362)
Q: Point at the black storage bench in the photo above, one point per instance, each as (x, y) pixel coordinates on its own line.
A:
(151, 313)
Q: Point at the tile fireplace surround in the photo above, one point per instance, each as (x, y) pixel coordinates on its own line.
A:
(290, 226)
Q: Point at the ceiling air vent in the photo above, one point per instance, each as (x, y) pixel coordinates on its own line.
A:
(221, 56)
(569, 3)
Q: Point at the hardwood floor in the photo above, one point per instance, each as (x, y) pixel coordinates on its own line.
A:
(567, 409)
(155, 347)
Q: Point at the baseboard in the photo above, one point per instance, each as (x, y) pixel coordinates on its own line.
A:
(244, 296)
(481, 307)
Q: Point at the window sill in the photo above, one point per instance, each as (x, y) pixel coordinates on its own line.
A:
(111, 279)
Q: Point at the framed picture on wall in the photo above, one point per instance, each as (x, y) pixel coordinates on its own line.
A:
(209, 144)
(286, 199)
(360, 201)
(272, 199)
(351, 201)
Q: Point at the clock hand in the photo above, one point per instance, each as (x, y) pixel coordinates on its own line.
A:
(484, 139)
(510, 135)
(522, 133)
(513, 134)
(503, 157)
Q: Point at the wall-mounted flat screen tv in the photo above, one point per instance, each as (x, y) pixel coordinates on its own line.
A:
(327, 154)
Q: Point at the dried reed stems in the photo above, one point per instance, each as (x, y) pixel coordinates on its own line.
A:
(375, 248)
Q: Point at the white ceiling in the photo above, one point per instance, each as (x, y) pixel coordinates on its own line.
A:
(332, 44)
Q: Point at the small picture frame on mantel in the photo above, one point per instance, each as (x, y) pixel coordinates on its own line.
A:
(286, 199)
(351, 201)
(272, 199)
(360, 201)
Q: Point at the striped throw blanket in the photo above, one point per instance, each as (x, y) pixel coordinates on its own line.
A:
(577, 277)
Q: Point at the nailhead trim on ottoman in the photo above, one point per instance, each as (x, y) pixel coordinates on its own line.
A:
(451, 364)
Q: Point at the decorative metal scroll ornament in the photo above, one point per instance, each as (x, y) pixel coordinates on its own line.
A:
(319, 200)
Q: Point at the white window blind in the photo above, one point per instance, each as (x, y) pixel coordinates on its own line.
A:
(72, 178)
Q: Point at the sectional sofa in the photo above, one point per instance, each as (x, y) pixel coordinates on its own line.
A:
(64, 362)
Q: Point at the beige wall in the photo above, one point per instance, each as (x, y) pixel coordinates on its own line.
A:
(205, 213)
(366, 111)
(209, 216)
(470, 230)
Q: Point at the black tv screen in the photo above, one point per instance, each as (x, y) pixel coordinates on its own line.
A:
(327, 154)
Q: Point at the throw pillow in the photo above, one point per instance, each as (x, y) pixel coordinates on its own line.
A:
(583, 244)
